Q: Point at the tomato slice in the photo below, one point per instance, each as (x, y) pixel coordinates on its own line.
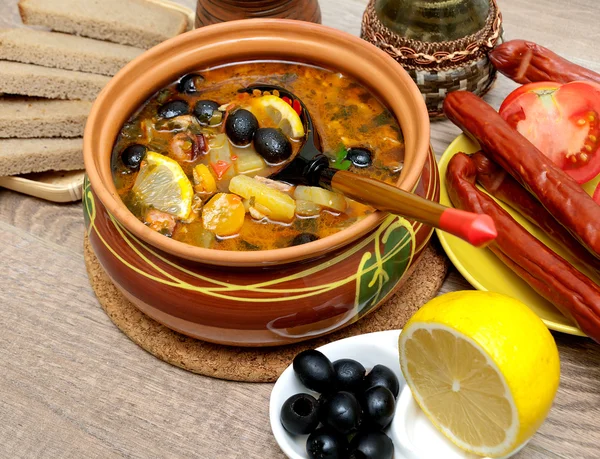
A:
(563, 121)
(220, 167)
(539, 87)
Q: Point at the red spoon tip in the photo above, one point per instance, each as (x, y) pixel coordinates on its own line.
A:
(477, 229)
(483, 231)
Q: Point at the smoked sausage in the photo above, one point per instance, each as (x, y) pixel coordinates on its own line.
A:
(527, 62)
(574, 294)
(564, 198)
(502, 186)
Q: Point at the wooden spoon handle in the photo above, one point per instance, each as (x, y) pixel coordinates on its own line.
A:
(477, 229)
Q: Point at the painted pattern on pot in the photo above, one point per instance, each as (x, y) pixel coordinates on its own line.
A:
(261, 306)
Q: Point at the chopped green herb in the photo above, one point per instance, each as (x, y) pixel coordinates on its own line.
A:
(382, 119)
(340, 162)
(194, 129)
(341, 152)
(248, 246)
(344, 165)
(163, 96)
(289, 77)
(131, 131)
(345, 112)
(165, 232)
(306, 225)
(347, 222)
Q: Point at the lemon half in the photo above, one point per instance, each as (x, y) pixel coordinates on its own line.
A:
(283, 115)
(162, 185)
(482, 367)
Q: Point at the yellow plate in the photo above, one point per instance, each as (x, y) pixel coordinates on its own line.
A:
(484, 271)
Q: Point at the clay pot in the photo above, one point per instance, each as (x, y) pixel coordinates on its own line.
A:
(215, 11)
(269, 297)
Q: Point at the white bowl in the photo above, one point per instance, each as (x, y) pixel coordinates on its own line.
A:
(413, 435)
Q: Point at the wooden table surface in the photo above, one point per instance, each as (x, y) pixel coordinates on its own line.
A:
(73, 386)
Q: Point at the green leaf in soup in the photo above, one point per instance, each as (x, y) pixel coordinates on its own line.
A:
(345, 112)
(165, 232)
(346, 223)
(203, 238)
(245, 245)
(306, 225)
(163, 96)
(134, 205)
(289, 77)
(339, 160)
(383, 118)
(396, 128)
(344, 165)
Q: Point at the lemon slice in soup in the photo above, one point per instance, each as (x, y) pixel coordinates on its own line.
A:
(283, 115)
(162, 184)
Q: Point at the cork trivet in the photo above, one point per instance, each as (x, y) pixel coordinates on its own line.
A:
(257, 364)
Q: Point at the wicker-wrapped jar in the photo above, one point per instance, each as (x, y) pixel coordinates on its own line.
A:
(438, 67)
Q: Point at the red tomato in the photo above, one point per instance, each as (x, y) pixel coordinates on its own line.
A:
(563, 121)
(220, 167)
(526, 88)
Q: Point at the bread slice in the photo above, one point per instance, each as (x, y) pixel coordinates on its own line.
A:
(34, 80)
(63, 51)
(21, 156)
(131, 22)
(26, 118)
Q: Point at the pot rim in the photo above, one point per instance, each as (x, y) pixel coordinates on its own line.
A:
(248, 40)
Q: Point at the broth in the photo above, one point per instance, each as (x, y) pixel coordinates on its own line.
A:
(163, 154)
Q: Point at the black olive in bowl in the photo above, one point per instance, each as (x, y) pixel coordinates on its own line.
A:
(360, 157)
(133, 155)
(381, 375)
(371, 445)
(324, 443)
(190, 83)
(315, 371)
(273, 145)
(241, 126)
(204, 110)
(379, 406)
(341, 412)
(350, 374)
(300, 414)
(173, 109)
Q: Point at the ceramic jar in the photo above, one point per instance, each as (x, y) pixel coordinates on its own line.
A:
(269, 297)
(214, 11)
